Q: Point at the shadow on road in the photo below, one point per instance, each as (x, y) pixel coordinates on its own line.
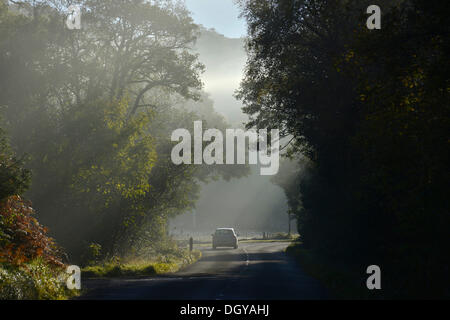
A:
(222, 274)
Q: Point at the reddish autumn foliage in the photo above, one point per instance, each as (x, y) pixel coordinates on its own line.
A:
(22, 238)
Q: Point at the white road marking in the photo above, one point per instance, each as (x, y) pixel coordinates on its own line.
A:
(228, 286)
(246, 257)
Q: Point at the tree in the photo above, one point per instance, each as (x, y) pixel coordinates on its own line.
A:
(94, 110)
(368, 109)
(14, 179)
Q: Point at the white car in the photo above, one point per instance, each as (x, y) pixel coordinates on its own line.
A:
(224, 237)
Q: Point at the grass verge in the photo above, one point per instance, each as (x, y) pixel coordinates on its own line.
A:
(263, 240)
(34, 281)
(143, 267)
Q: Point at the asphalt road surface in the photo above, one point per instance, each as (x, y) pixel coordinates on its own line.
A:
(254, 271)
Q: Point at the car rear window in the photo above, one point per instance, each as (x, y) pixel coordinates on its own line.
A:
(224, 232)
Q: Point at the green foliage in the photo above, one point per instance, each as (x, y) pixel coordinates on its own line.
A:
(120, 154)
(14, 179)
(92, 254)
(95, 249)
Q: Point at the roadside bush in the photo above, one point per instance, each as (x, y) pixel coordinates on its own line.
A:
(33, 281)
(22, 237)
(30, 265)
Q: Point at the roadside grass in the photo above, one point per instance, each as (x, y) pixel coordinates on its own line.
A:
(34, 281)
(264, 240)
(142, 267)
(340, 281)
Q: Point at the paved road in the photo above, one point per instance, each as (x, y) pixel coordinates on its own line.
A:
(253, 271)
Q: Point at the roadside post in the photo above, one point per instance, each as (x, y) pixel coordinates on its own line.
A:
(191, 244)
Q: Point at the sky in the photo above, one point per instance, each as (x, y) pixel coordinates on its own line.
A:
(222, 15)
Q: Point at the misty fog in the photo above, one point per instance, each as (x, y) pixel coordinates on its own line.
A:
(248, 203)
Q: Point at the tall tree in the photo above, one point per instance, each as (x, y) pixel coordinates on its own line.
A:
(369, 109)
(92, 108)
